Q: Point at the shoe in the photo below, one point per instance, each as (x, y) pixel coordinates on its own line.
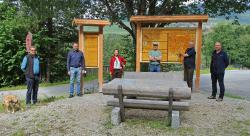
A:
(28, 106)
(211, 97)
(219, 100)
(71, 96)
(80, 95)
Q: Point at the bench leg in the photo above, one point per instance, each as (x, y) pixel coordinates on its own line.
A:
(171, 95)
(121, 104)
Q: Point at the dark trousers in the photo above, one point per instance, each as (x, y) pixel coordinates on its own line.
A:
(188, 76)
(117, 74)
(220, 78)
(32, 89)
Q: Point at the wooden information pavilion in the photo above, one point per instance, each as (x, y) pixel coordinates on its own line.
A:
(91, 44)
(172, 41)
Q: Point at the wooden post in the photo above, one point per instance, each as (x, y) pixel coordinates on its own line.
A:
(121, 104)
(100, 63)
(198, 57)
(170, 109)
(81, 47)
(138, 47)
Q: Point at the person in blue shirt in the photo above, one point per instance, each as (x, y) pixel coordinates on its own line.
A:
(30, 65)
(219, 63)
(189, 64)
(75, 67)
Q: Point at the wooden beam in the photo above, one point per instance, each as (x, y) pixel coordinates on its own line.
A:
(161, 19)
(91, 22)
(100, 59)
(138, 47)
(149, 104)
(81, 47)
(198, 57)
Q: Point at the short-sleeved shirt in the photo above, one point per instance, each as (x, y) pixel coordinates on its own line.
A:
(154, 53)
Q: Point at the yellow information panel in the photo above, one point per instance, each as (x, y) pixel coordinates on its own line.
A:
(171, 41)
(91, 50)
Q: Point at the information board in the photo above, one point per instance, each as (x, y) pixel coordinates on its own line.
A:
(171, 41)
(91, 50)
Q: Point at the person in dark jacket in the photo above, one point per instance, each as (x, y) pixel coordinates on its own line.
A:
(189, 64)
(30, 65)
(219, 63)
(75, 67)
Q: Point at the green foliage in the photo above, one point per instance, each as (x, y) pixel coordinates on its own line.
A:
(11, 46)
(235, 40)
(125, 46)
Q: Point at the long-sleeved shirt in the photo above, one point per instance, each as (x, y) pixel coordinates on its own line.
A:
(75, 59)
(219, 62)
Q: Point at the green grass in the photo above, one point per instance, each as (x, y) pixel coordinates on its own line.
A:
(19, 132)
(45, 84)
(233, 96)
(154, 124)
(207, 70)
(41, 102)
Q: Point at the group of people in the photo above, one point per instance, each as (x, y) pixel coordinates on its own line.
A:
(76, 67)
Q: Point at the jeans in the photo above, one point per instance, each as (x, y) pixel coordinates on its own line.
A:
(75, 73)
(220, 78)
(188, 76)
(154, 68)
(32, 89)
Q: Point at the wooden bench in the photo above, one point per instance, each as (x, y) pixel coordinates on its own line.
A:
(151, 88)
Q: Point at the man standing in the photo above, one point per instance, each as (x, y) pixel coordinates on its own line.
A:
(155, 59)
(219, 63)
(75, 67)
(30, 65)
(189, 64)
(116, 65)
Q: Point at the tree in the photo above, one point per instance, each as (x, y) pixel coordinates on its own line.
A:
(55, 17)
(119, 10)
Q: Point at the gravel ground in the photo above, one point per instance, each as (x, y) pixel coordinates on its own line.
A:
(89, 116)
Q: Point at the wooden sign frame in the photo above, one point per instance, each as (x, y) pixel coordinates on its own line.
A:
(100, 24)
(139, 20)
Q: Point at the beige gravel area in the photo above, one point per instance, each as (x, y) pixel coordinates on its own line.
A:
(89, 116)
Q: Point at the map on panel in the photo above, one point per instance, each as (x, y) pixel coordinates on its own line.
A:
(91, 50)
(172, 42)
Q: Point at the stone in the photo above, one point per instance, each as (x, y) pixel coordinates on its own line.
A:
(147, 87)
(175, 119)
(116, 116)
(172, 75)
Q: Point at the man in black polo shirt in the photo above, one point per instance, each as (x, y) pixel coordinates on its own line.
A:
(189, 64)
(219, 63)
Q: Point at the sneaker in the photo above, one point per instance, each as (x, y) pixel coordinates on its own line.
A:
(219, 100)
(71, 96)
(80, 95)
(28, 106)
(211, 97)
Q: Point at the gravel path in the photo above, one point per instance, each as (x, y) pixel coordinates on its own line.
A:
(89, 116)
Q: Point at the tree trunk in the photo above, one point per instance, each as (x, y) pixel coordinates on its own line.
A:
(50, 34)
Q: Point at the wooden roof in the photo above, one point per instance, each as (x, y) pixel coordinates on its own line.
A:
(91, 22)
(162, 19)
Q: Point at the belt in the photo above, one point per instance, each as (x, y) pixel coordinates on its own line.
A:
(75, 66)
